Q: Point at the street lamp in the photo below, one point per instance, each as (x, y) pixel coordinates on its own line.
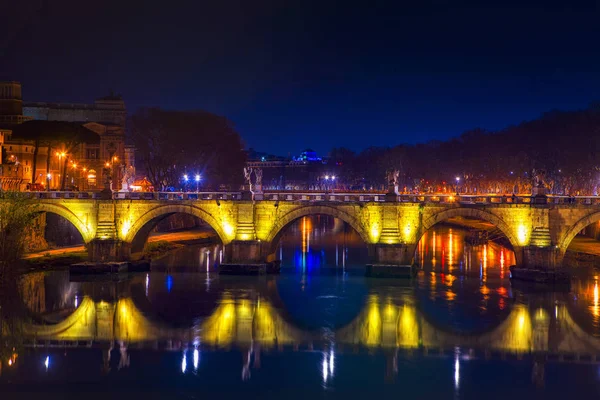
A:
(457, 180)
(48, 177)
(197, 181)
(185, 179)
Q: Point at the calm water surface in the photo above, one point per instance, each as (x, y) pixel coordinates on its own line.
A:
(460, 329)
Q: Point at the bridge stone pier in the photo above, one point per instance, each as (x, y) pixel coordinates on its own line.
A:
(116, 229)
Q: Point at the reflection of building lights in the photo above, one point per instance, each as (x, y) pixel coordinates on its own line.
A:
(47, 362)
(327, 366)
(183, 363)
(331, 354)
(169, 283)
(196, 359)
(76, 301)
(147, 283)
(456, 372)
(450, 248)
(595, 308)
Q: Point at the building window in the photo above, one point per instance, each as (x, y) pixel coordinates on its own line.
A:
(91, 177)
(92, 154)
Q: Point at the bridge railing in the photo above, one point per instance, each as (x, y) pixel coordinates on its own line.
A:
(325, 197)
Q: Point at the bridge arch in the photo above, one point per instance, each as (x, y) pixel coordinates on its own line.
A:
(570, 234)
(303, 211)
(84, 228)
(146, 222)
(473, 213)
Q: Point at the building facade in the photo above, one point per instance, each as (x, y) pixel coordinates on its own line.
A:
(85, 165)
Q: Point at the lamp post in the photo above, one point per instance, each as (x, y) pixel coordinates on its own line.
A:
(48, 178)
(185, 179)
(457, 180)
(197, 182)
(332, 182)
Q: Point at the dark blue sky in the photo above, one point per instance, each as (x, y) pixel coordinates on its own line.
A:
(295, 74)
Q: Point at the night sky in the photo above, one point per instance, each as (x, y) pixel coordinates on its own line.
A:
(295, 74)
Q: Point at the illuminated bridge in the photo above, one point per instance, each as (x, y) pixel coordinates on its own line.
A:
(538, 228)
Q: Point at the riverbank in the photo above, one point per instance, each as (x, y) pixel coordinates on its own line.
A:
(159, 245)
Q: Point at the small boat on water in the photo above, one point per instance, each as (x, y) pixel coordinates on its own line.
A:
(539, 275)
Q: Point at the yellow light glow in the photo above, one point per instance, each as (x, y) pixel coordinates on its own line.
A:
(408, 328)
(125, 228)
(522, 235)
(375, 232)
(228, 229)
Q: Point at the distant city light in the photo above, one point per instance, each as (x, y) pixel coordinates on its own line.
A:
(185, 177)
(457, 178)
(197, 177)
(49, 176)
(333, 178)
(326, 177)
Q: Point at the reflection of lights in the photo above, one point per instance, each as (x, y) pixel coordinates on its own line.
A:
(595, 308)
(76, 301)
(456, 372)
(169, 283)
(196, 359)
(331, 363)
(47, 362)
(327, 366)
(450, 248)
(433, 250)
(147, 283)
(183, 363)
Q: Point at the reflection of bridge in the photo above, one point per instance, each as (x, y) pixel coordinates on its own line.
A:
(382, 323)
(539, 229)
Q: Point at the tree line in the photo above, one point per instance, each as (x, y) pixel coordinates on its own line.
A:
(561, 147)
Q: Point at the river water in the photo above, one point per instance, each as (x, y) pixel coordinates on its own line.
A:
(460, 329)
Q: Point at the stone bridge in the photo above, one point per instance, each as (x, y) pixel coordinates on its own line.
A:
(538, 228)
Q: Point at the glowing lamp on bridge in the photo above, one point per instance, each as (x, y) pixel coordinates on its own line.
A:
(197, 178)
(125, 228)
(185, 177)
(522, 235)
(374, 231)
(228, 229)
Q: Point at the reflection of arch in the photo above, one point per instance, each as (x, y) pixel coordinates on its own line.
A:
(570, 234)
(300, 212)
(78, 325)
(64, 212)
(144, 224)
(473, 213)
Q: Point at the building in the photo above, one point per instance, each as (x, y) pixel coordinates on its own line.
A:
(305, 172)
(66, 164)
